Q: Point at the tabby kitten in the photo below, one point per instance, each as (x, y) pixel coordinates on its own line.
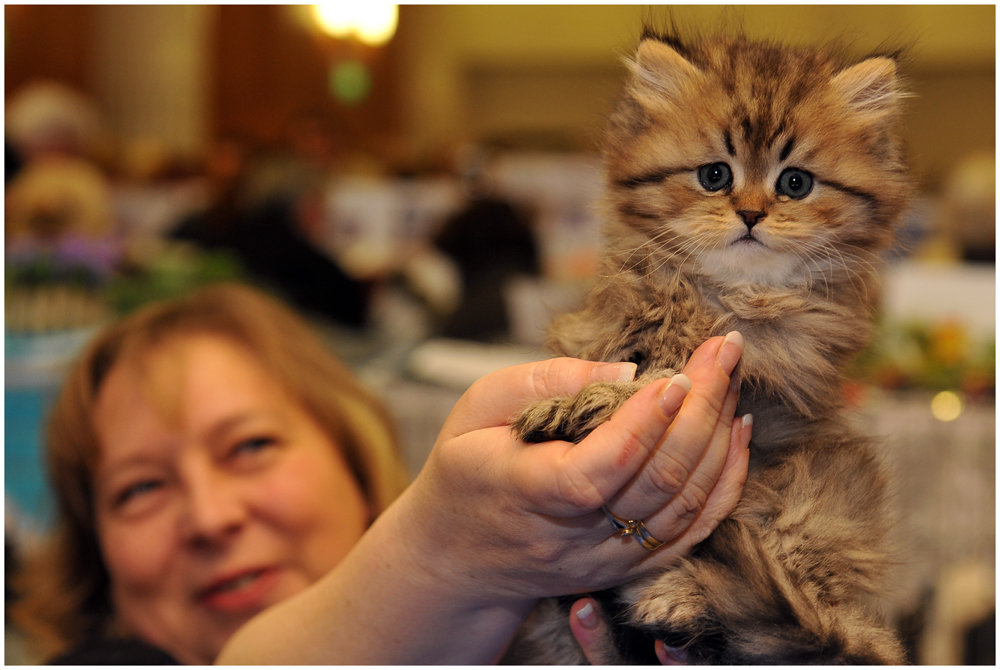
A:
(751, 187)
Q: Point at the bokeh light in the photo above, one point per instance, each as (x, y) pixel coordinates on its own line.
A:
(350, 81)
(947, 406)
(333, 19)
(372, 22)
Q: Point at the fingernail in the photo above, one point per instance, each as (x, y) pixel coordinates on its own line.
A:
(587, 617)
(675, 656)
(747, 428)
(672, 396)
(730, 352)
(614, 372)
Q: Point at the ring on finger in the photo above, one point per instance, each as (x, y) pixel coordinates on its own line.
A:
(637, 529)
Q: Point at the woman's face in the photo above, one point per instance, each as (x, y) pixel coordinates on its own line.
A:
(217, 503)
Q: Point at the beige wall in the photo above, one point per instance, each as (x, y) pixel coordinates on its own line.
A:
(479, 71)
(150, 71)
(551, 72)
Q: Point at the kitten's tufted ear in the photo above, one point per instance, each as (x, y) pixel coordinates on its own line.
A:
(870, 87)
(659, 69)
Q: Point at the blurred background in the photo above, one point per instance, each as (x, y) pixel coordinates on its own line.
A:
(423, 182)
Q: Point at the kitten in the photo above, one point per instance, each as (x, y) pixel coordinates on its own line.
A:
(751, 187)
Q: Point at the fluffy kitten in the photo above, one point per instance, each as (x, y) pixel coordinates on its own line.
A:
(751, 187)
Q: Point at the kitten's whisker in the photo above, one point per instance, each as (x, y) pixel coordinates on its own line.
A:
(655, 239)
(679, 253)
(808, 258)
(689, 248)
(815, 248)
(871, 266)
(828, 250)
(851, 274)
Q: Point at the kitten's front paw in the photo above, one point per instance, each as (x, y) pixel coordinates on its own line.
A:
(673, 608)
(572, 418)
(717, 617)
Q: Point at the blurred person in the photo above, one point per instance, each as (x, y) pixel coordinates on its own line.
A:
(13, 161)
(213, 462)
(57, 197)
(272, 231)
(61, 247)
(58, 205)
(490, 241)
(45, 118)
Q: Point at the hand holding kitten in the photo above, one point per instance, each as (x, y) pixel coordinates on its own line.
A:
(530, 514)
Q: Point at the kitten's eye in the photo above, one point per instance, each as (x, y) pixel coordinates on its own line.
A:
(794, 183)
(715, 176)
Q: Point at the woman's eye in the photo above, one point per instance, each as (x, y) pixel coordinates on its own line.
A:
(715, 176)
(136, 490)
(794, 183)
(253, 445)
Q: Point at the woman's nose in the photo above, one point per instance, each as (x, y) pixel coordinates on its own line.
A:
(214, 509)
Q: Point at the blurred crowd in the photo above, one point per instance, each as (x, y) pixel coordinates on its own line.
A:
(95, 229)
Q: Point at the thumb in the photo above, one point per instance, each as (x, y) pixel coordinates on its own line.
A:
(590, 631)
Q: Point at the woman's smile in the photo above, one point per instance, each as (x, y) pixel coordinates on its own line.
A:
(247, 591)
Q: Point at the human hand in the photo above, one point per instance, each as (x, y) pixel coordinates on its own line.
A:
(591, 633)
(504, 519)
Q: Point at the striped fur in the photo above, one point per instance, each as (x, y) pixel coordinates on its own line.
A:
(791, 576)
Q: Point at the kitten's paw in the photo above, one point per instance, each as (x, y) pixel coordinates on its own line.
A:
(716, 619)
(674, 605)
(572, 418)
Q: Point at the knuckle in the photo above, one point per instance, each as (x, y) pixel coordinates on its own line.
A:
(708, 402)
(549, 377)
(540, 378)
(545, 553)
(705, 408)
(577, 490)
(689, 503)
(667, 476)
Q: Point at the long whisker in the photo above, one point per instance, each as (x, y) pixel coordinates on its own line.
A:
(828, 250)
(808, 259)
(654, 240)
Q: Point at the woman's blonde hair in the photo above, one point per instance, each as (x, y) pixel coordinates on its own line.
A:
(66, 597)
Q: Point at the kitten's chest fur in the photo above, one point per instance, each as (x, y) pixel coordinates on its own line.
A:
(795, 339)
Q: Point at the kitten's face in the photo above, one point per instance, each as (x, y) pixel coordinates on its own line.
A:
(752, 163)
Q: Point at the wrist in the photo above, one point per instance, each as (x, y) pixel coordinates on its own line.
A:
(445, 580)
(435, 542)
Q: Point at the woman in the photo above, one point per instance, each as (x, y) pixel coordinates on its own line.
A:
(212, 461)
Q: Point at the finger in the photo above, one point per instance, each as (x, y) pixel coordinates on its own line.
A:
(674, 519)
(670, 655)
(498, 396)
(562, 479)
(590, 631)
(693, 437)
(726, 493)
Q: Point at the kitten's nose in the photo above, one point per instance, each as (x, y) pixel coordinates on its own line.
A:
(751, 218)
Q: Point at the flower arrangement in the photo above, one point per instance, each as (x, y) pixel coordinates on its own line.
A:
(929, 357)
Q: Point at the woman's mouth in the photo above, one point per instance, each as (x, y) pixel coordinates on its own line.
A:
(245, 592)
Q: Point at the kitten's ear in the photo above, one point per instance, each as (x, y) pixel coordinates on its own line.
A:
(870, 87)
(659, 69)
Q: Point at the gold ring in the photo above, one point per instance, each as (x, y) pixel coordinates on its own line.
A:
(637, 529)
